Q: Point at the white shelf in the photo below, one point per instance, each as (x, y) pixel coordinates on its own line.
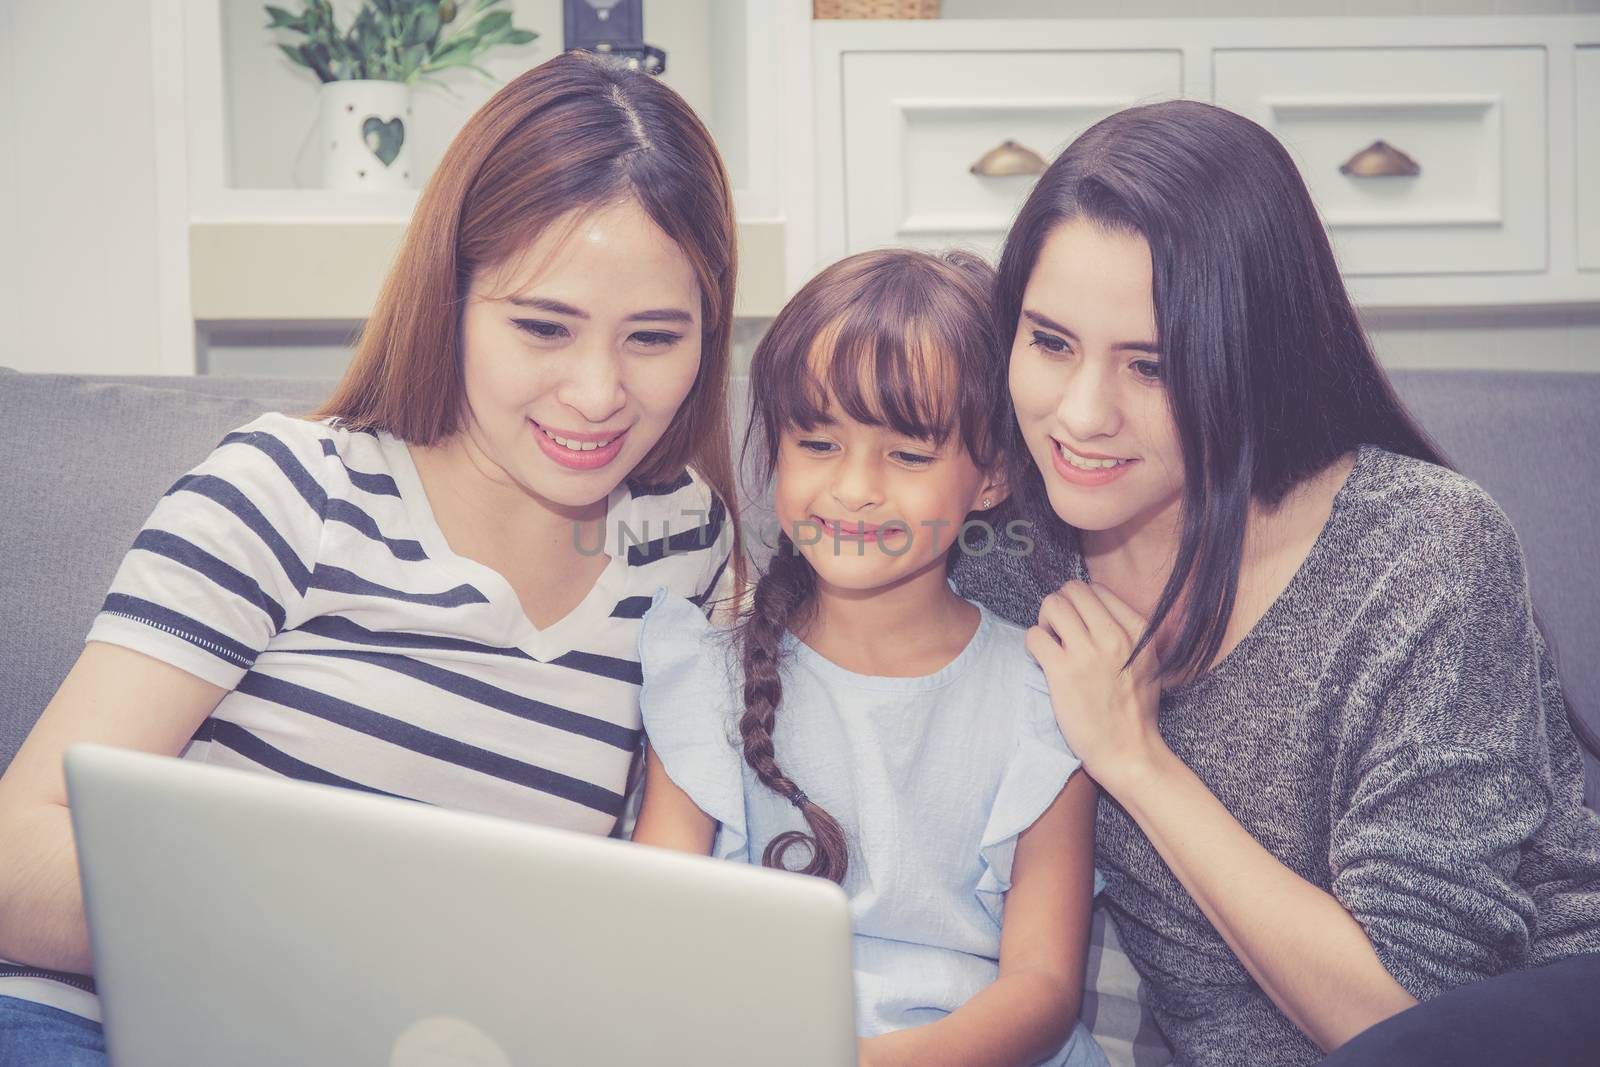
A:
(261, 254)
(315, 258)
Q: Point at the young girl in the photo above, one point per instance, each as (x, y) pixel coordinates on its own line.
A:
(876, 728)
(424, 592)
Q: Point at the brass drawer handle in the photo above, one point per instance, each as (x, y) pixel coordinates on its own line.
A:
(1380, 159)
(1007, 158)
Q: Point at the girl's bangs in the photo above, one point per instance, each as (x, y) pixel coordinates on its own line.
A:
(878, 372)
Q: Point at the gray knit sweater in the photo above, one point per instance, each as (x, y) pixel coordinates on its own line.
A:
(1392, 730)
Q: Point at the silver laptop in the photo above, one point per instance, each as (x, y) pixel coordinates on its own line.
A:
(241, 919)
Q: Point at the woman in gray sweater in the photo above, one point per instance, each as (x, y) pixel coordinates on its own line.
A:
(1295, 649)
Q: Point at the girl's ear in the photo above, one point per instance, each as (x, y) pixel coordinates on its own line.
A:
(994, 490)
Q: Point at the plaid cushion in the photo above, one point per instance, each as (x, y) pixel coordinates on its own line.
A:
(1114, 1010)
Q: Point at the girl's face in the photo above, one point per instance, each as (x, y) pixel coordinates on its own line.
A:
(869, 507)
(1086, 381)
(578, 353)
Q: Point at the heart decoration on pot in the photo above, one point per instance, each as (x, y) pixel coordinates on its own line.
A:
(383, 139)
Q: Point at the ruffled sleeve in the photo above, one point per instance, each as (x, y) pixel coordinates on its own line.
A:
(687, 701)
(1037, 772)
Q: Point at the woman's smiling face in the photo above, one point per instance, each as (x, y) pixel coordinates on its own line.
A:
(1086, 382)
(579, 353)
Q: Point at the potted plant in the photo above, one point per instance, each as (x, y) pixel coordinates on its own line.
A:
(367, 73)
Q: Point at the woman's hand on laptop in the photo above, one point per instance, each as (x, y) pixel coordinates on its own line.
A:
(112, 696)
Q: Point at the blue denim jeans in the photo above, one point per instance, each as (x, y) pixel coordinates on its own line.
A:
(35, 1035)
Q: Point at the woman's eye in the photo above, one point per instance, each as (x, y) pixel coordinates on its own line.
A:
(1049, 342)
(545, 331)
(818, 447)
(1148, 369)
(915, 459)
(655, 338)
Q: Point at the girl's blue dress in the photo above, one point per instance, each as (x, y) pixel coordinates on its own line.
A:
(931, 777)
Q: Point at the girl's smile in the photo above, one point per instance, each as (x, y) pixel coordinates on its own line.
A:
(845, 487)
(861, 531)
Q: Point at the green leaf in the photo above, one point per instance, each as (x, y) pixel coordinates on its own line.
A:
(316, 57)
(493, 22)
(282, 20)
(455, 61)
(456, 46)
(397, 40)
(424, 27)
(412, 62)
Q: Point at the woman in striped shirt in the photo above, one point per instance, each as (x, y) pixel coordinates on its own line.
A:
(432, 588)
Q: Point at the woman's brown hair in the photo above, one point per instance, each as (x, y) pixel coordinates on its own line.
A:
(573, 133)
(893, 338)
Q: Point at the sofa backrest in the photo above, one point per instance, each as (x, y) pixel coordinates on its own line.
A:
(83, 460)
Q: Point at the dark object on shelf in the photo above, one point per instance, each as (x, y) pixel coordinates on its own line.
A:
(614, 29)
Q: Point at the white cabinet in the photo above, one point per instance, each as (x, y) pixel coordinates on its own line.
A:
(1587, 110)
(1500, 117)
(915, 125)
(1470, 123)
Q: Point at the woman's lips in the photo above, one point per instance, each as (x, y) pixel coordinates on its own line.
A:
(1078, 475)
(575, 459)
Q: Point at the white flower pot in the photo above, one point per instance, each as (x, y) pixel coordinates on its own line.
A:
(366, 135)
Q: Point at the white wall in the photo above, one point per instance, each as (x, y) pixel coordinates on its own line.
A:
(78, 232)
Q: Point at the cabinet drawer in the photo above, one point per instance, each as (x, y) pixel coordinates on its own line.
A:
(1588, 153)
(1472, 120)
(916, 122)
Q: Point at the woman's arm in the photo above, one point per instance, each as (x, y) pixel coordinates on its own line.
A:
(1027, 1013)
(1301, 946)
(667, 817)
(1309, 954)
(112, 696)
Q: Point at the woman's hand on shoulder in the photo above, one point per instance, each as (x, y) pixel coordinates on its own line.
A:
(1106, 710)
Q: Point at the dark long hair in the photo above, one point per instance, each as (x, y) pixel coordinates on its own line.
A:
(895, 338)
(574, 132)
(1269, 374)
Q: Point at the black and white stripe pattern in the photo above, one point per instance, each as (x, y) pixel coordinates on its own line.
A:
(300, 568)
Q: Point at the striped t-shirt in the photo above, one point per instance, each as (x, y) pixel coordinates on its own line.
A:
(301, 568)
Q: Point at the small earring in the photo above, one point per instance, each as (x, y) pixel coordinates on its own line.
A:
(985, 504)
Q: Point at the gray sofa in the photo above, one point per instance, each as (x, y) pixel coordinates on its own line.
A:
(84, 459)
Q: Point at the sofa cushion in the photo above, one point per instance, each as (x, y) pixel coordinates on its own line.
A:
(1532, 441)
(83, 461)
